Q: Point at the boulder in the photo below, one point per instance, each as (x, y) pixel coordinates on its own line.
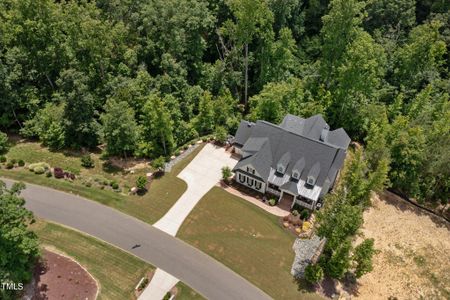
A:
(134, 190)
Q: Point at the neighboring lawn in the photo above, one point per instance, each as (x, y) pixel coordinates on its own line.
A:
(162, 194)
(116, 271)
(246, 239)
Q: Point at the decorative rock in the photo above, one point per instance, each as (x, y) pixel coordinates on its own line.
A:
(173, 157)
(199, 141)
(181, 151)
(132, 172)
(189, 146)
(134, 190)
(286, 224)
(149, 175)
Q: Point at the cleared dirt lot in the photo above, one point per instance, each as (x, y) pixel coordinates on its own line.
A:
(414, 261)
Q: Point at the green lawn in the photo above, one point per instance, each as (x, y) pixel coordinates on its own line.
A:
(246, 239)
(162, 194)
(116, 271)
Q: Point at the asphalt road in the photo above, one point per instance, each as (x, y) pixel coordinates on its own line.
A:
(198, 270)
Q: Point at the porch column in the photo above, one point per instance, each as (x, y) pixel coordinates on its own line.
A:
(281, 196)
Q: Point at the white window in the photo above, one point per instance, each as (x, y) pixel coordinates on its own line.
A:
(295, 175)
(280, 169)
(249, 181)
(311, 180)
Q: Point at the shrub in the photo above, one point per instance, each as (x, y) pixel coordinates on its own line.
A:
(87, 161)
(9, 165)
(313, 273)
(158, 163)
(177, 152)
(14, 161)
(304, 215)
(44, 165)
(2, 159)
(58, 172)
(143, 284)
(193, 142)
(3, 142)
(204, 140)
(88, 184)
(226, 173)
(221, 134)
(272, 202)
(141, 182)
(39, 170)
(115, 185)
(21, 163)
(295, 212)
(167, 296)
(48, 174)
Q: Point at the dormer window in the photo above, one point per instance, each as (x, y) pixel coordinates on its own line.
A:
(250, 170)
(280, 169)
(311, 181)
(295, 175)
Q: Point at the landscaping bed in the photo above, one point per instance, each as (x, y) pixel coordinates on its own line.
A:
(104, 182)
(59, 277)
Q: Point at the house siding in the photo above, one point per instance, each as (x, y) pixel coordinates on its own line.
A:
(250, 181)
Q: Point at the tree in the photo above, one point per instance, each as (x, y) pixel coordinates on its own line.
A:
(119, 128)
(253, 19)
(19, 247)
(3, 142)
(313, 273)
(385, 14)
(421, 59)
(336, 262)
(80, 125)
(47, 125)
(362, 257)
(157, 127)
(221, 134)
(278, 99)
(205, 119)
(226, 173)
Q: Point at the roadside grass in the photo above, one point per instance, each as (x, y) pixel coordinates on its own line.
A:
(150, 207)
(116, 271)
(246, 239)
(186, 293)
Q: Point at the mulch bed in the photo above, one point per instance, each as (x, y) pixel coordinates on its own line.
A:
(58, 277)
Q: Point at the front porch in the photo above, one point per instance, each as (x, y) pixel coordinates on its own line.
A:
(288, 200)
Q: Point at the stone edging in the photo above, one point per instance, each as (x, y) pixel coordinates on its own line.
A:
(169, 165)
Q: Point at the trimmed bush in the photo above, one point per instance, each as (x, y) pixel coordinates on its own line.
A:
(43, 165)
(313, 273)
(272, 202)
(158, 163)
(58, 172)
(9, 165)
(21, 163)
(87, 161)
(48, 174)
(39, 170)
(295, 212)
(141, 182)
(115, 186)
(177, 152)
(2, 159)
(226, 173)
(304, 215)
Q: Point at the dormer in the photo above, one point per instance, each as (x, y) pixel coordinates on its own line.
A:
(298, 168)
(313, 173)
(283, 163)
(324, 134)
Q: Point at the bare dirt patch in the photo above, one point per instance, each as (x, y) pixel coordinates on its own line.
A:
(413, 261)
(59, 277)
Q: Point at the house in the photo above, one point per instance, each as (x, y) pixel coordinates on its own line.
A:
(297, 160)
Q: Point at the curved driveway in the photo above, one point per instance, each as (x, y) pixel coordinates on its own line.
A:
(205, 275)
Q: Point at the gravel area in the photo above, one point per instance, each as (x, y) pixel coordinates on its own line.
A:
(305, 254)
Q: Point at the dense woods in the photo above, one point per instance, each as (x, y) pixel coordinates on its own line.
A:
(145, 77)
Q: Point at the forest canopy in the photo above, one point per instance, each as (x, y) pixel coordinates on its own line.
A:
(145, 77)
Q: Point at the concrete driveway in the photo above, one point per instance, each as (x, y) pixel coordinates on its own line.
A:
(202, 173)
(198, 270)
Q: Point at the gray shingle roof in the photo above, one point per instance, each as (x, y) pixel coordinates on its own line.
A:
(296, 144)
